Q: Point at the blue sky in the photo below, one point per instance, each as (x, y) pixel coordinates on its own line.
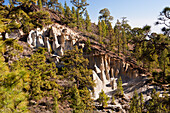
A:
(138, 12)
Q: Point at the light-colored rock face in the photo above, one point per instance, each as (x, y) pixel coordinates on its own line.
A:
(15, 34)
(0, 35)
(99, 85)
(56, 45)
(106, 69)
(47, 44)
(97, 69)
(30, 38)
(62, 38)
(39, 42)
(39, 32)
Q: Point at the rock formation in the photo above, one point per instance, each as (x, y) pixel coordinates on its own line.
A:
(47, 44)
(15, 34)
(56, 45)
(106, 66)
(39, 42)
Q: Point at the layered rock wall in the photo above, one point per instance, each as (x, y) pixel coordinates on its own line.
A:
(107, 68)
(54, 37)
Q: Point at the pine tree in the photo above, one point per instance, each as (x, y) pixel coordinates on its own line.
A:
(104, 28)
(88, 44)
(81, 7)
(105, 15)
(67, 10)
(164, 19)
(65, 6)
(40, 18)
(124, 41)
(67, 14)
(52, 4)
(119, 87)
(13, 90)
(74, 12)
(100, 31)
(113, 100)
(125, 29)
(110, 34)
(82, 22)
(154, 104)
(163, 62)
(157, 104)
(134, 104)
(56, 108)
(103, 98)
(141, 101)
(117, 31)
(61, 9)
(87, 21)
(76, 102)
(41, 75)
(86, 99)
(14, 85)
(40, 3)
(75, 68)
(73, 19)
(2, 26)
(12, 48)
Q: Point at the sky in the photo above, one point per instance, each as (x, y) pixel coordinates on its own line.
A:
(138, 12)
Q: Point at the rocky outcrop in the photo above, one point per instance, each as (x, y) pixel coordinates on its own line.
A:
(54, 37)
(109, 68)
(14, 34)
(106, 65)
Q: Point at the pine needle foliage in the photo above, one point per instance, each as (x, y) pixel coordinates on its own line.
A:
(119, 87)
(75, 68)
(103, 98)
(14, 85)
(42, 75)
(76, 102)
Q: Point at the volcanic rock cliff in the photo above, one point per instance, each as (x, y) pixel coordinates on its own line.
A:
(106, 65)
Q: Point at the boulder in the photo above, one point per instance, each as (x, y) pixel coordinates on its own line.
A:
(14, 34)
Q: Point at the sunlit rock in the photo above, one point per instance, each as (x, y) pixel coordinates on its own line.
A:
(39, 32)
(56, 45)
(40, 42)
(47, 44)
(60, 51)
(6, 35)
(14, 34)
(99, 85)
(97, 69)
(113, 83)
(29, 39)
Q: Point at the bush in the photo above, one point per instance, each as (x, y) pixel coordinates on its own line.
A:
(103, 98)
